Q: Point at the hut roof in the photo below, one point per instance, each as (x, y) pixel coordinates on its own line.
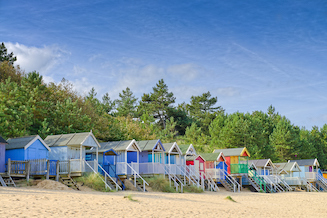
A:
(24, 142)
(262, 163)
(73, 139)
(2, 140)
(188, 150)
(306, 162)
(172, 148)
(288, 167)
(151, 145)
(128, 145)
(212, 156)
(233, 152)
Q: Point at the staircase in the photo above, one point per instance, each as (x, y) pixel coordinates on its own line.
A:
(68, 181)
(138, 183)
(257, 183)
(229, 183)
(321, 182)
(211, 184)
(6, 180)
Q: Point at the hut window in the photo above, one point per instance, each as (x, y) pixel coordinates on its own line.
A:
(201, 166)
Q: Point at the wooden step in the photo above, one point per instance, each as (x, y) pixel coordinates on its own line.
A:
(68, 181)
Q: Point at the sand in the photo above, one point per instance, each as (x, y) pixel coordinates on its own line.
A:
(40, 202)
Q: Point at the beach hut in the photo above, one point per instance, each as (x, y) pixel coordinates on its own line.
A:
(233, 157)
(2, 154)
(122, 157)
(262, 166)
(152, 157)
(71, 149)
(27, 148)
(188, 154)
(172, 153)
(309, 168)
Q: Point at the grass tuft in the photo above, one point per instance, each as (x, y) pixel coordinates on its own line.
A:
(160, 184)
(192, 189)
(230, 198)
(130, 197)
(93, 181)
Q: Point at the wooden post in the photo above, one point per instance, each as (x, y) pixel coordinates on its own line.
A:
(27, 168)
(68, 167)
(9, 167)
(48, 169)
(57, 171)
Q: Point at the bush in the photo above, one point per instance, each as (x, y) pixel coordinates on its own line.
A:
(93, 181)
(193, 189)
(161, 184)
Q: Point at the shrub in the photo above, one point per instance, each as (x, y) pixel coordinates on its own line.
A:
(193, 189)
(94, 181)
(161, 184)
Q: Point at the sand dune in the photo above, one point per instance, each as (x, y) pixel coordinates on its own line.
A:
(36, 202)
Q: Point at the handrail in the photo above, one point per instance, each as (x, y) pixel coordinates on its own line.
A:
(194, 174)
(322, 179)
(274, 185)
(107, 174)
(259, 180)
(232, 180)
(279, 180)
(183, 170)
(98, 175)
(212, 183)
(116, 176)
(173, 177)
(136, 174)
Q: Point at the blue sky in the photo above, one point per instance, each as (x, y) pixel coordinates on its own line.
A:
(250, 54)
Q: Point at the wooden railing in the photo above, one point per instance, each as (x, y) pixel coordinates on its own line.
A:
(37, 167)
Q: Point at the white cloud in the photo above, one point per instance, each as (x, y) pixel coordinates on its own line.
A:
(39, 59)
(227, 91)
(83, 85)
(187, 71)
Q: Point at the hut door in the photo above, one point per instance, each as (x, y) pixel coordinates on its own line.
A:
(197, 165)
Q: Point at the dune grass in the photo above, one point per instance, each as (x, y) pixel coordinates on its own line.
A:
(230, 198)
(160, 184)
(130, 197)
(93, 181)
(193, 189)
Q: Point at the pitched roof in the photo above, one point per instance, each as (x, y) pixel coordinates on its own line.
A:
(212, 156)
(172, 148)
(149, 145)
(261, 163)
(72, 139)
(130, 145)
(185, 149)
(233, 151)
(288, 167)
(24, 142)
(306, 162)
(2, 140)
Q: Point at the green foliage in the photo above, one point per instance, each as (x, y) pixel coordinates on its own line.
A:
(230, 198)
(160, 184)
(4, 56)
(192, 189)
(130, 197)
(93, 181)
(157, 103)
(168, 134)
(126, 105)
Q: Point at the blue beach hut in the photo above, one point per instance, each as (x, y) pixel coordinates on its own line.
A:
(2, 154)
(27, 148)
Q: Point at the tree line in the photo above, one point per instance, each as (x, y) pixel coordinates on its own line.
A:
(29, 106)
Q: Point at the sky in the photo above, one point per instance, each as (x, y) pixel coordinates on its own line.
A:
(250, 54)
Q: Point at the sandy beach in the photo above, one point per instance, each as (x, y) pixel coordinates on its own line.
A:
(40, 202)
